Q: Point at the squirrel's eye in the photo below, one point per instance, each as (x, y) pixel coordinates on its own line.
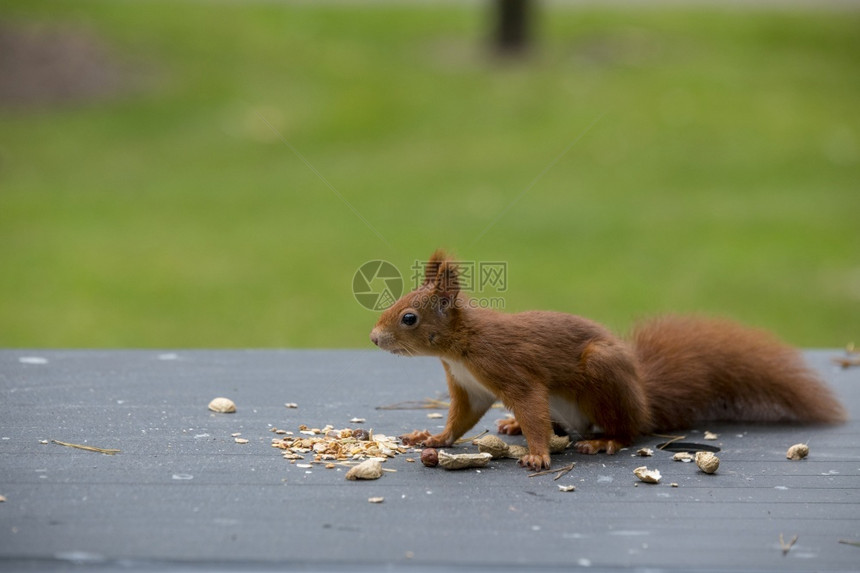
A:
(409, 319)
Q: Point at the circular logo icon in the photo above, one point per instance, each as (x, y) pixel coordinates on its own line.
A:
(376, 285)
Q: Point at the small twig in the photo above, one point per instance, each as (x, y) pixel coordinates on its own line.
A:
(469, 440)
(425, 404)
(672, 440)
(559, 471)
(851, 358)
(847, 361)
(87, 448)
(563, 471)
(542, 473)
(849, 542)
(786, 547)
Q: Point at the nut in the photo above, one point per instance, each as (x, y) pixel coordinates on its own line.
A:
(797, 452)
(361, 434)
(683, 457)
(557, 444)
(646, 475)
(516, 451)
(492, 445)
(463, 461)
(430, 457)
(222, 405)
(707, 462)
(645, 452)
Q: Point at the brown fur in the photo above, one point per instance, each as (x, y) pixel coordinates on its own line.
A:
(675, 372)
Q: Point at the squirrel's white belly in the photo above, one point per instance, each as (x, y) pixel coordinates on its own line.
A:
(568, 414)
(480, 398)
(562, 411)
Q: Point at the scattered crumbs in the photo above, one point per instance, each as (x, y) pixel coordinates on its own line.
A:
(241, 440)
(707, 462)
(375, 499)
(646, 475)
(644, 452)
(367, 470)
(2, 498)
(710, 436)
(222, 405)
(183, 476)
(357, 421)
(567, 488)
(435, 415)
(291, 405)
(786, 546)
(797, 452)
(43, 442)
(673, 484)
(236, 434)
(410, 460)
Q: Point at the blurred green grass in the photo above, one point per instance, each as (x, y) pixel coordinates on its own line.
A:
(721, 175)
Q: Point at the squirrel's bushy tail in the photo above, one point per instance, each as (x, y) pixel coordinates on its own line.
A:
(697, 369)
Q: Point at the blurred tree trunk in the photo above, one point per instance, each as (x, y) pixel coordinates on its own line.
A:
(512, 26)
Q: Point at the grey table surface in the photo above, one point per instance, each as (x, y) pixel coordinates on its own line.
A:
(183, 495)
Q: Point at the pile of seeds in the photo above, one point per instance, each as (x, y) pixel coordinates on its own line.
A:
(328, 445)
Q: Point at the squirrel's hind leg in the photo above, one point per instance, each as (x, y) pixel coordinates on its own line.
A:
(609, 446)
(509, 426)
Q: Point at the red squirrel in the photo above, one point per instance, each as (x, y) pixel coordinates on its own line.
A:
(556, 368)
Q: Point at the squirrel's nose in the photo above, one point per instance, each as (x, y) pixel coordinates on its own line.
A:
(374, 337)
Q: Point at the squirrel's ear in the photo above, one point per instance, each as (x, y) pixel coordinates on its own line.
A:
(431, 269)
(446, 285)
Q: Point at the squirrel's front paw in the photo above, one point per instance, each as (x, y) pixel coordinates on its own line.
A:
(416, 438)
(424, 438)
(535, 462)
(436, 442)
